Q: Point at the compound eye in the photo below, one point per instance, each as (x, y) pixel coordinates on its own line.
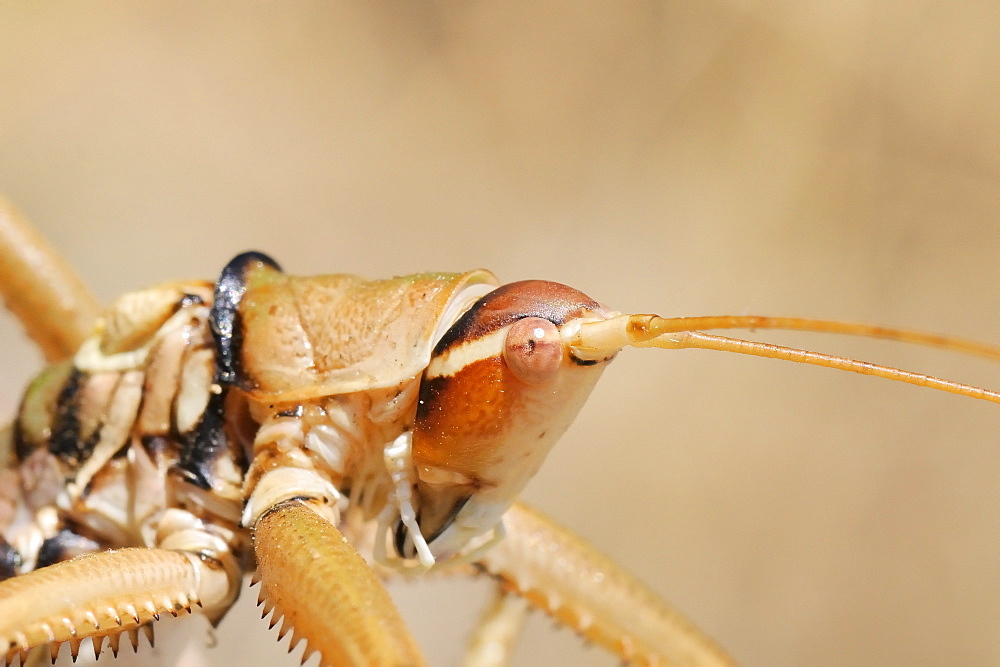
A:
(533, 350)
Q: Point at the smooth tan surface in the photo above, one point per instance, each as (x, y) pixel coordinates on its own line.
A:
(832, 159)
(56, 310)
(337, 334)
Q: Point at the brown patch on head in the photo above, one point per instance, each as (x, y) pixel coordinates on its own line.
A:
(460, 417)
(554, 302)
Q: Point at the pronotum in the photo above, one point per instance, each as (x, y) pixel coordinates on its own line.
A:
(409, 412)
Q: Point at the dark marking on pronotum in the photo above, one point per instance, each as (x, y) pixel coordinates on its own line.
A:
(224, 317)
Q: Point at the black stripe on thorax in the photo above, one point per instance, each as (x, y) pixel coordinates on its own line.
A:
(205, 444)
(224, 318)
(65, 442)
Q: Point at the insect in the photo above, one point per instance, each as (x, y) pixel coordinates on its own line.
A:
(246, 423)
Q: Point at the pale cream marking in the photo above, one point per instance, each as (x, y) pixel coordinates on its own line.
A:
(193, 393)
(90, 358)
(122, 411)
(148, 480)
(389, 405)
(458, 306)
(92, 403)
(468, 352)
(285, 483)
(327, 442)
(162, 379)
(106, 508)
(476, 527)
(435, 475)
(399, 463)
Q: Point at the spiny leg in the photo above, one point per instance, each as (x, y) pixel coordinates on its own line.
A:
(41, 289)
(563, 575)
(492, 642)
(104, 594)
(314, 579)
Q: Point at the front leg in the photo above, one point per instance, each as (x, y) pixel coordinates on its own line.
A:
(104, 594)
(309, 574)
(326, 593)
(495, 637)
(566, 577)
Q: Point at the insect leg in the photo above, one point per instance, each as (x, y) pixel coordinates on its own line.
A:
(310, 576)
(104, 594)
(326, 593)
(492, 643)
(41, 289)
(559, 573)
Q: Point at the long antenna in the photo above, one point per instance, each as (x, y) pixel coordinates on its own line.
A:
(601, 339)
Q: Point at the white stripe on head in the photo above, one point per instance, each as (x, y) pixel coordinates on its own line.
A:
(459, 356)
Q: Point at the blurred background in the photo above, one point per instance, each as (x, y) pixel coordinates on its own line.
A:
(830, 159)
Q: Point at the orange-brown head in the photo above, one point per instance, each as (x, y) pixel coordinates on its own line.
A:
(501, 387)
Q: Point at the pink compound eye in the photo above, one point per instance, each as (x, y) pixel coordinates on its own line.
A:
(533, 350)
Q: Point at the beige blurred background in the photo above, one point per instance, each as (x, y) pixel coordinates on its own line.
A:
(834, 159)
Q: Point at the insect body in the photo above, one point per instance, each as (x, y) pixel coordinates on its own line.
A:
(242, 425)
(194, 413)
